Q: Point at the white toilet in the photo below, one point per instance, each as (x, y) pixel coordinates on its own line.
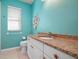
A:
(23, 46)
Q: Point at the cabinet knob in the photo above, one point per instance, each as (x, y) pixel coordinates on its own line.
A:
(44, 58)
(56, 56)
(32, 46)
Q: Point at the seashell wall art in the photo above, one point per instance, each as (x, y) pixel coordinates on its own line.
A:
(35, 22)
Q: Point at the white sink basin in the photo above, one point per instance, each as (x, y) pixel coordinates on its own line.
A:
(46, 38)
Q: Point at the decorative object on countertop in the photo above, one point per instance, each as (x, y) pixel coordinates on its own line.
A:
(35, 22)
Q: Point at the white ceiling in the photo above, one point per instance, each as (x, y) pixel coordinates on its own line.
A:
(27, 1)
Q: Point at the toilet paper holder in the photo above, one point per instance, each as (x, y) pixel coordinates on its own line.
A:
(23, 38)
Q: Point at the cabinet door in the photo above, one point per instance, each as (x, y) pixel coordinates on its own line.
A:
(37, 53)
(33, 51)
(37, 43)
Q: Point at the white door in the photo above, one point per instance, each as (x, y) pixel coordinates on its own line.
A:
(0, 25)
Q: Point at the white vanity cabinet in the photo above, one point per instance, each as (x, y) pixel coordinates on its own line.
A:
(39, 50)
(56, 54)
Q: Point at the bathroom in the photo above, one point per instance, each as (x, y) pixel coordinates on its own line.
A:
(21, 20)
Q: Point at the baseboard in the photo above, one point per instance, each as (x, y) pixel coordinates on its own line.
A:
(8, 49)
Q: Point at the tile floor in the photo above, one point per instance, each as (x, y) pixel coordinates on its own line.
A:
(13, 54)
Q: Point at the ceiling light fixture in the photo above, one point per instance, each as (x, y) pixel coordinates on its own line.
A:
(43, 0)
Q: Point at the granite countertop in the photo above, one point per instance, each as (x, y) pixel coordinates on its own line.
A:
(68, 46)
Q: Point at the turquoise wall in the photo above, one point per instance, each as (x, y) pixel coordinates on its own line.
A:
(12, 39)
(57, 17)
(0, 25)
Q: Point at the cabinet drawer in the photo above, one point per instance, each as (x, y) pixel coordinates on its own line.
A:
(56, 54)
(36, 43)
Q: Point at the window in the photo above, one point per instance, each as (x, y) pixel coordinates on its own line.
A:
(14, 18)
